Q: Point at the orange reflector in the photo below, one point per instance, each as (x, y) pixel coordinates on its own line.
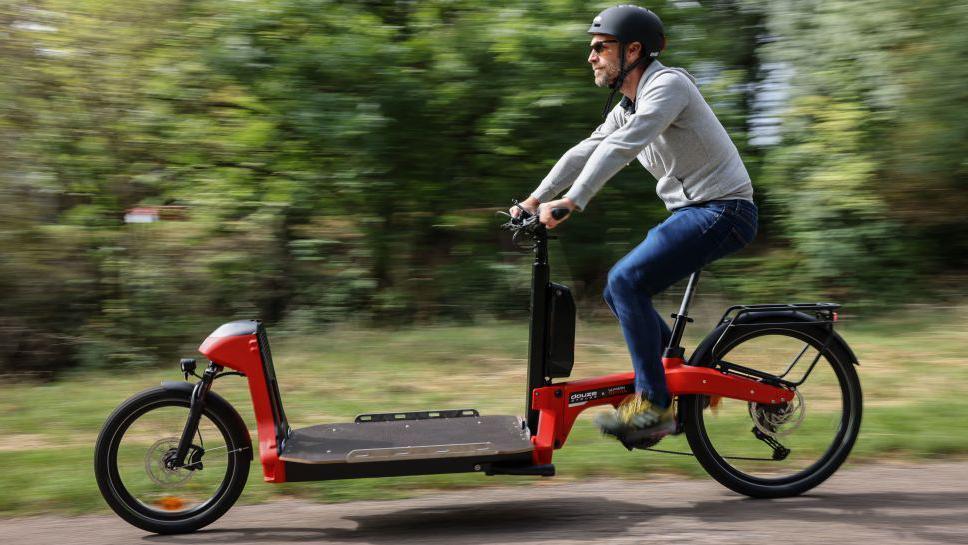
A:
(714, 402)
(171, 503)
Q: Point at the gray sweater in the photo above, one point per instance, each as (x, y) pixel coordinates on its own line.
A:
(674, 134)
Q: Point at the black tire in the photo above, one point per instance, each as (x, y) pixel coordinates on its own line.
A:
(821, 459)
(235, 454)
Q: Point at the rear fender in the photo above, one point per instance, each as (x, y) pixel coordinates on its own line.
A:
(703, 356)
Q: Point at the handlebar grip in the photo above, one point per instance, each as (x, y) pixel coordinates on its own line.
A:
(559, 213)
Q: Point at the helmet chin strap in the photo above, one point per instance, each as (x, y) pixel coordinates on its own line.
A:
(623, 71)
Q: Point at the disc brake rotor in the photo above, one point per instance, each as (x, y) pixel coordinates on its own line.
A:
(155, 466)
(778, 420)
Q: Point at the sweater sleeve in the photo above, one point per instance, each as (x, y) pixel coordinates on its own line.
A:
(656, 108)
(567, 168)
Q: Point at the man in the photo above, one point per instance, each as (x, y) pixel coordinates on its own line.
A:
(663, 121)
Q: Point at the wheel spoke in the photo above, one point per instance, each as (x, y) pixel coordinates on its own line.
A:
(141, 461)
(151, 482)
(137, 472)
(761, 449)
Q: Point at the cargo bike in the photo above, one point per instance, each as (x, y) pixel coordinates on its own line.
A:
(174, 458)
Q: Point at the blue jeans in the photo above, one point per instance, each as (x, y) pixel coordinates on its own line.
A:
(688, 240)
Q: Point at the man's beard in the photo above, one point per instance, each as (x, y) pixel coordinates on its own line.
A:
(605, 76)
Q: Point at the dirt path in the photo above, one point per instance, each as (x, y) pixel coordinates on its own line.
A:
(874, 504)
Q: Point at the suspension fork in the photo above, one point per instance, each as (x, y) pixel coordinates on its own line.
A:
(195, 410)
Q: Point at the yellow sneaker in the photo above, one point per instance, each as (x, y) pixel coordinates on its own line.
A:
(638, 421)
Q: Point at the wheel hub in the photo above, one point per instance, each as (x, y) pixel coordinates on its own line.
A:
(160, 463)
(779, 419)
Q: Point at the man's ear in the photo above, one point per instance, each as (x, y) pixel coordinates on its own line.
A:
(634, 47)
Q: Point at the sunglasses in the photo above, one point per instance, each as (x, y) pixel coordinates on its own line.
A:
(598, 47)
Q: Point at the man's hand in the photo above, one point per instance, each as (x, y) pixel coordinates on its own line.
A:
(545, 211)
(530, 204)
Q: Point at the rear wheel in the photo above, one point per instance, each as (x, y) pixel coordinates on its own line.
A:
(771, 451)
(142, 435)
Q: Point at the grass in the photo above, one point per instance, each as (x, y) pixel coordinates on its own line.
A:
(912, 370)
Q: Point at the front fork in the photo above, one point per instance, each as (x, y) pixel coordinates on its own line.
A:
(195, 410)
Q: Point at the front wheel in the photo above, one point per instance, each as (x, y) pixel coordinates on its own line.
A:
(772, 451)
(137, 440)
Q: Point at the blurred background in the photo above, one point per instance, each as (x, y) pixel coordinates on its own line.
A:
(170, 165)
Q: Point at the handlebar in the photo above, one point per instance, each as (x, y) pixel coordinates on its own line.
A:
(559, 213)
(528, 223)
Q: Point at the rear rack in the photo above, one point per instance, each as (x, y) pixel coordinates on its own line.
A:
(825, 312)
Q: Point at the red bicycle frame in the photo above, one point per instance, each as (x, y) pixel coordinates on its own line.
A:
(551, 408)
(560, 404)
(226, 347)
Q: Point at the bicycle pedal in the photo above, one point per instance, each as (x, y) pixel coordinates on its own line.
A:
(635, 441)
(641, 444)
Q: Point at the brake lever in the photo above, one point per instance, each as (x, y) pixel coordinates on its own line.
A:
(518, 222)
(525, 214)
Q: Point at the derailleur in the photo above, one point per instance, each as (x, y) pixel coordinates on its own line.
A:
(779, 451)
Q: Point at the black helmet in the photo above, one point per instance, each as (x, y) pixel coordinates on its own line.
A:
(630, 24)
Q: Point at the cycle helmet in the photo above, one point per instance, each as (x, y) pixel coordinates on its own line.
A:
(629, 24)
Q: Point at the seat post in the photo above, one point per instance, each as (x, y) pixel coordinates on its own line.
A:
(674, 350)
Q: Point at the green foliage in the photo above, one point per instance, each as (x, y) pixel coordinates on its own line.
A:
(873, 141)
(339, 161)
